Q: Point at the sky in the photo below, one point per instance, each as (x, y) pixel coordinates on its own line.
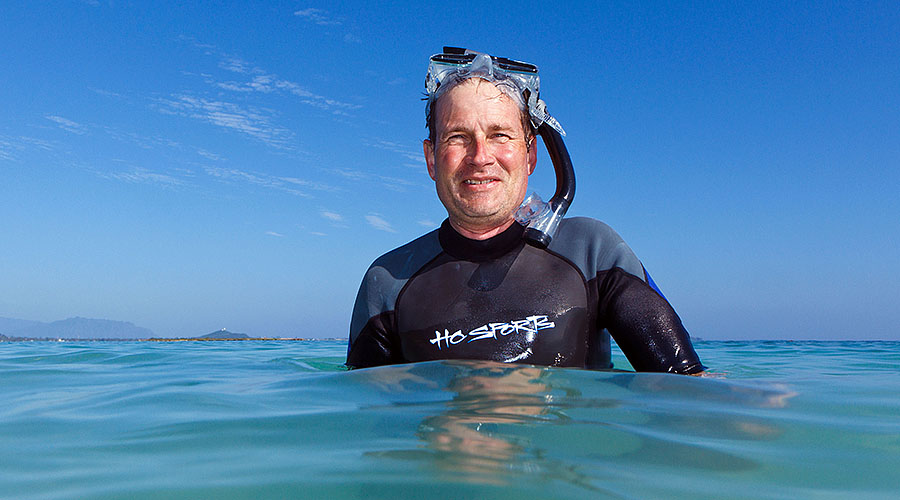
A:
(239, 165)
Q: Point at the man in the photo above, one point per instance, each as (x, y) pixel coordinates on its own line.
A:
(474, 288)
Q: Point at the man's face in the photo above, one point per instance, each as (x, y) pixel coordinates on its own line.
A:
(481, 158)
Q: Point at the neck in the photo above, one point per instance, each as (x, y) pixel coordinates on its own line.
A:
(479, 234)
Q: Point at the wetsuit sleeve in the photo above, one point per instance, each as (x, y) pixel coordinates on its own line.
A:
(376, 345)
(629, 305)
(645, 326)
(373, 341)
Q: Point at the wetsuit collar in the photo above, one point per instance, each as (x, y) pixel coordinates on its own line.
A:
(464, 248)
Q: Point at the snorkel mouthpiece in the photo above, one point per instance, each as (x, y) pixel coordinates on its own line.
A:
(540, 219)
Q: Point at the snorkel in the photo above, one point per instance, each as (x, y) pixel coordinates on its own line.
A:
(541, 222)
(520, 81)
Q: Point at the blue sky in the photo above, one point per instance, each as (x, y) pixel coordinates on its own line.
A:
(239, 165)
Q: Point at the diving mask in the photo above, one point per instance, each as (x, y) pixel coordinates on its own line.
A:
(455, 65)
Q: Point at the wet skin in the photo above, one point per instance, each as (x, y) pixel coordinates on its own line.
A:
(481, 158)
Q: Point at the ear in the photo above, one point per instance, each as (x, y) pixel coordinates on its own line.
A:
(428, 149)
(532, 155)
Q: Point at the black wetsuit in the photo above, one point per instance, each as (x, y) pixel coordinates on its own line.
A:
(444, 296)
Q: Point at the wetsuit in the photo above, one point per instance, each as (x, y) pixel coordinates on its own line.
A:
(444, 296)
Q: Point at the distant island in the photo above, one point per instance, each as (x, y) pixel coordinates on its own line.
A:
(71, 328)
(222, 335)
(87, 329)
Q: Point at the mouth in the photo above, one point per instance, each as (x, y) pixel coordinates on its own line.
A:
(473, 182)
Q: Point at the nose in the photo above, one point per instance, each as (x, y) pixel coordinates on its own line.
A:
(480, 152)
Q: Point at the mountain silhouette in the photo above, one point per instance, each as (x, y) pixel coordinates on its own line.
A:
(74, 328)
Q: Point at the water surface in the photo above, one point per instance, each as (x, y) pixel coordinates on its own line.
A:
(285, 420)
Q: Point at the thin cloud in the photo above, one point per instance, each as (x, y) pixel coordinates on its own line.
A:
(5, 150)
(427, 223)
(209, 155)
(317, 16)
(139, 175)
(234, 87)
(141, 141)
(67, 125)
(196, 43)
(351, 38)
(332, 216)
(317, 186)
(259, 80)
(269, 83)
(273, 233)
(334, 219)
(250, 121)
(257, 179)
(398, 184)
(402, 149)
(106, 93)
(354, 175)
(233, 173)
(235, 64)
(376, 221)
(38, 143)
(9, 146)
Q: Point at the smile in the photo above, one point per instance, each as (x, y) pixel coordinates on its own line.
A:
(472, 182)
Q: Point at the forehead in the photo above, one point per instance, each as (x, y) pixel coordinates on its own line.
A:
(476, 101)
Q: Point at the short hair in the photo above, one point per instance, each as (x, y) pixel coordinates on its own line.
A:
(507, 89)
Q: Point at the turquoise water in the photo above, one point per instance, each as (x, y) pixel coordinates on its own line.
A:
(284, 420)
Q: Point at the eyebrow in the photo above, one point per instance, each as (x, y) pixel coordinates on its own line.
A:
(495, 127)
(502, 128)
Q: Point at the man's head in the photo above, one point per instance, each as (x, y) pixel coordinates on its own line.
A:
(482, 116)
(480, 158)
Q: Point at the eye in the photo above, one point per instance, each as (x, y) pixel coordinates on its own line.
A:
(456, 139)
(500, 137)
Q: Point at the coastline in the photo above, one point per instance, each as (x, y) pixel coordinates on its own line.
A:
(164, 339)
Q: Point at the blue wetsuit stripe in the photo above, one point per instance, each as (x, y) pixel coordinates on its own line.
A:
(652, 283)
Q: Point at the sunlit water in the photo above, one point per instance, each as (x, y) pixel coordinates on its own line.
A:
(285, 420)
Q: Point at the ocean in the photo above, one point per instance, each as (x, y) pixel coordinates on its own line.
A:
(284, 419)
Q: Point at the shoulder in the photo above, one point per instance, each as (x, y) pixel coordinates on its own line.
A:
(586, 229)
(402, 262)
(593, 246)
(386, 277)
(583, 234)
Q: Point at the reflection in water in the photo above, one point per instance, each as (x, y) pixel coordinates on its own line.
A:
(484, 434)
(506, 420)
(466, 439)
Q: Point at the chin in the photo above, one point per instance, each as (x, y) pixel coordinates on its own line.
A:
(480, 212)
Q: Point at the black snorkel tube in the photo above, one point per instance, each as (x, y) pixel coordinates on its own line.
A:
(541, 227)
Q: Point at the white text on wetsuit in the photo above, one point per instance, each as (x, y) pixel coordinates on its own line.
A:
(529, 326)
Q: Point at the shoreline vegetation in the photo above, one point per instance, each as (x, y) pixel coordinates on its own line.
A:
(100, 330)
(4, 338)
(202, 339)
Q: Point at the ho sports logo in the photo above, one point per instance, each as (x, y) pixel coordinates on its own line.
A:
(529, 326)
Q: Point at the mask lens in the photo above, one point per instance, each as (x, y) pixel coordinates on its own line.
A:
(462, 63)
